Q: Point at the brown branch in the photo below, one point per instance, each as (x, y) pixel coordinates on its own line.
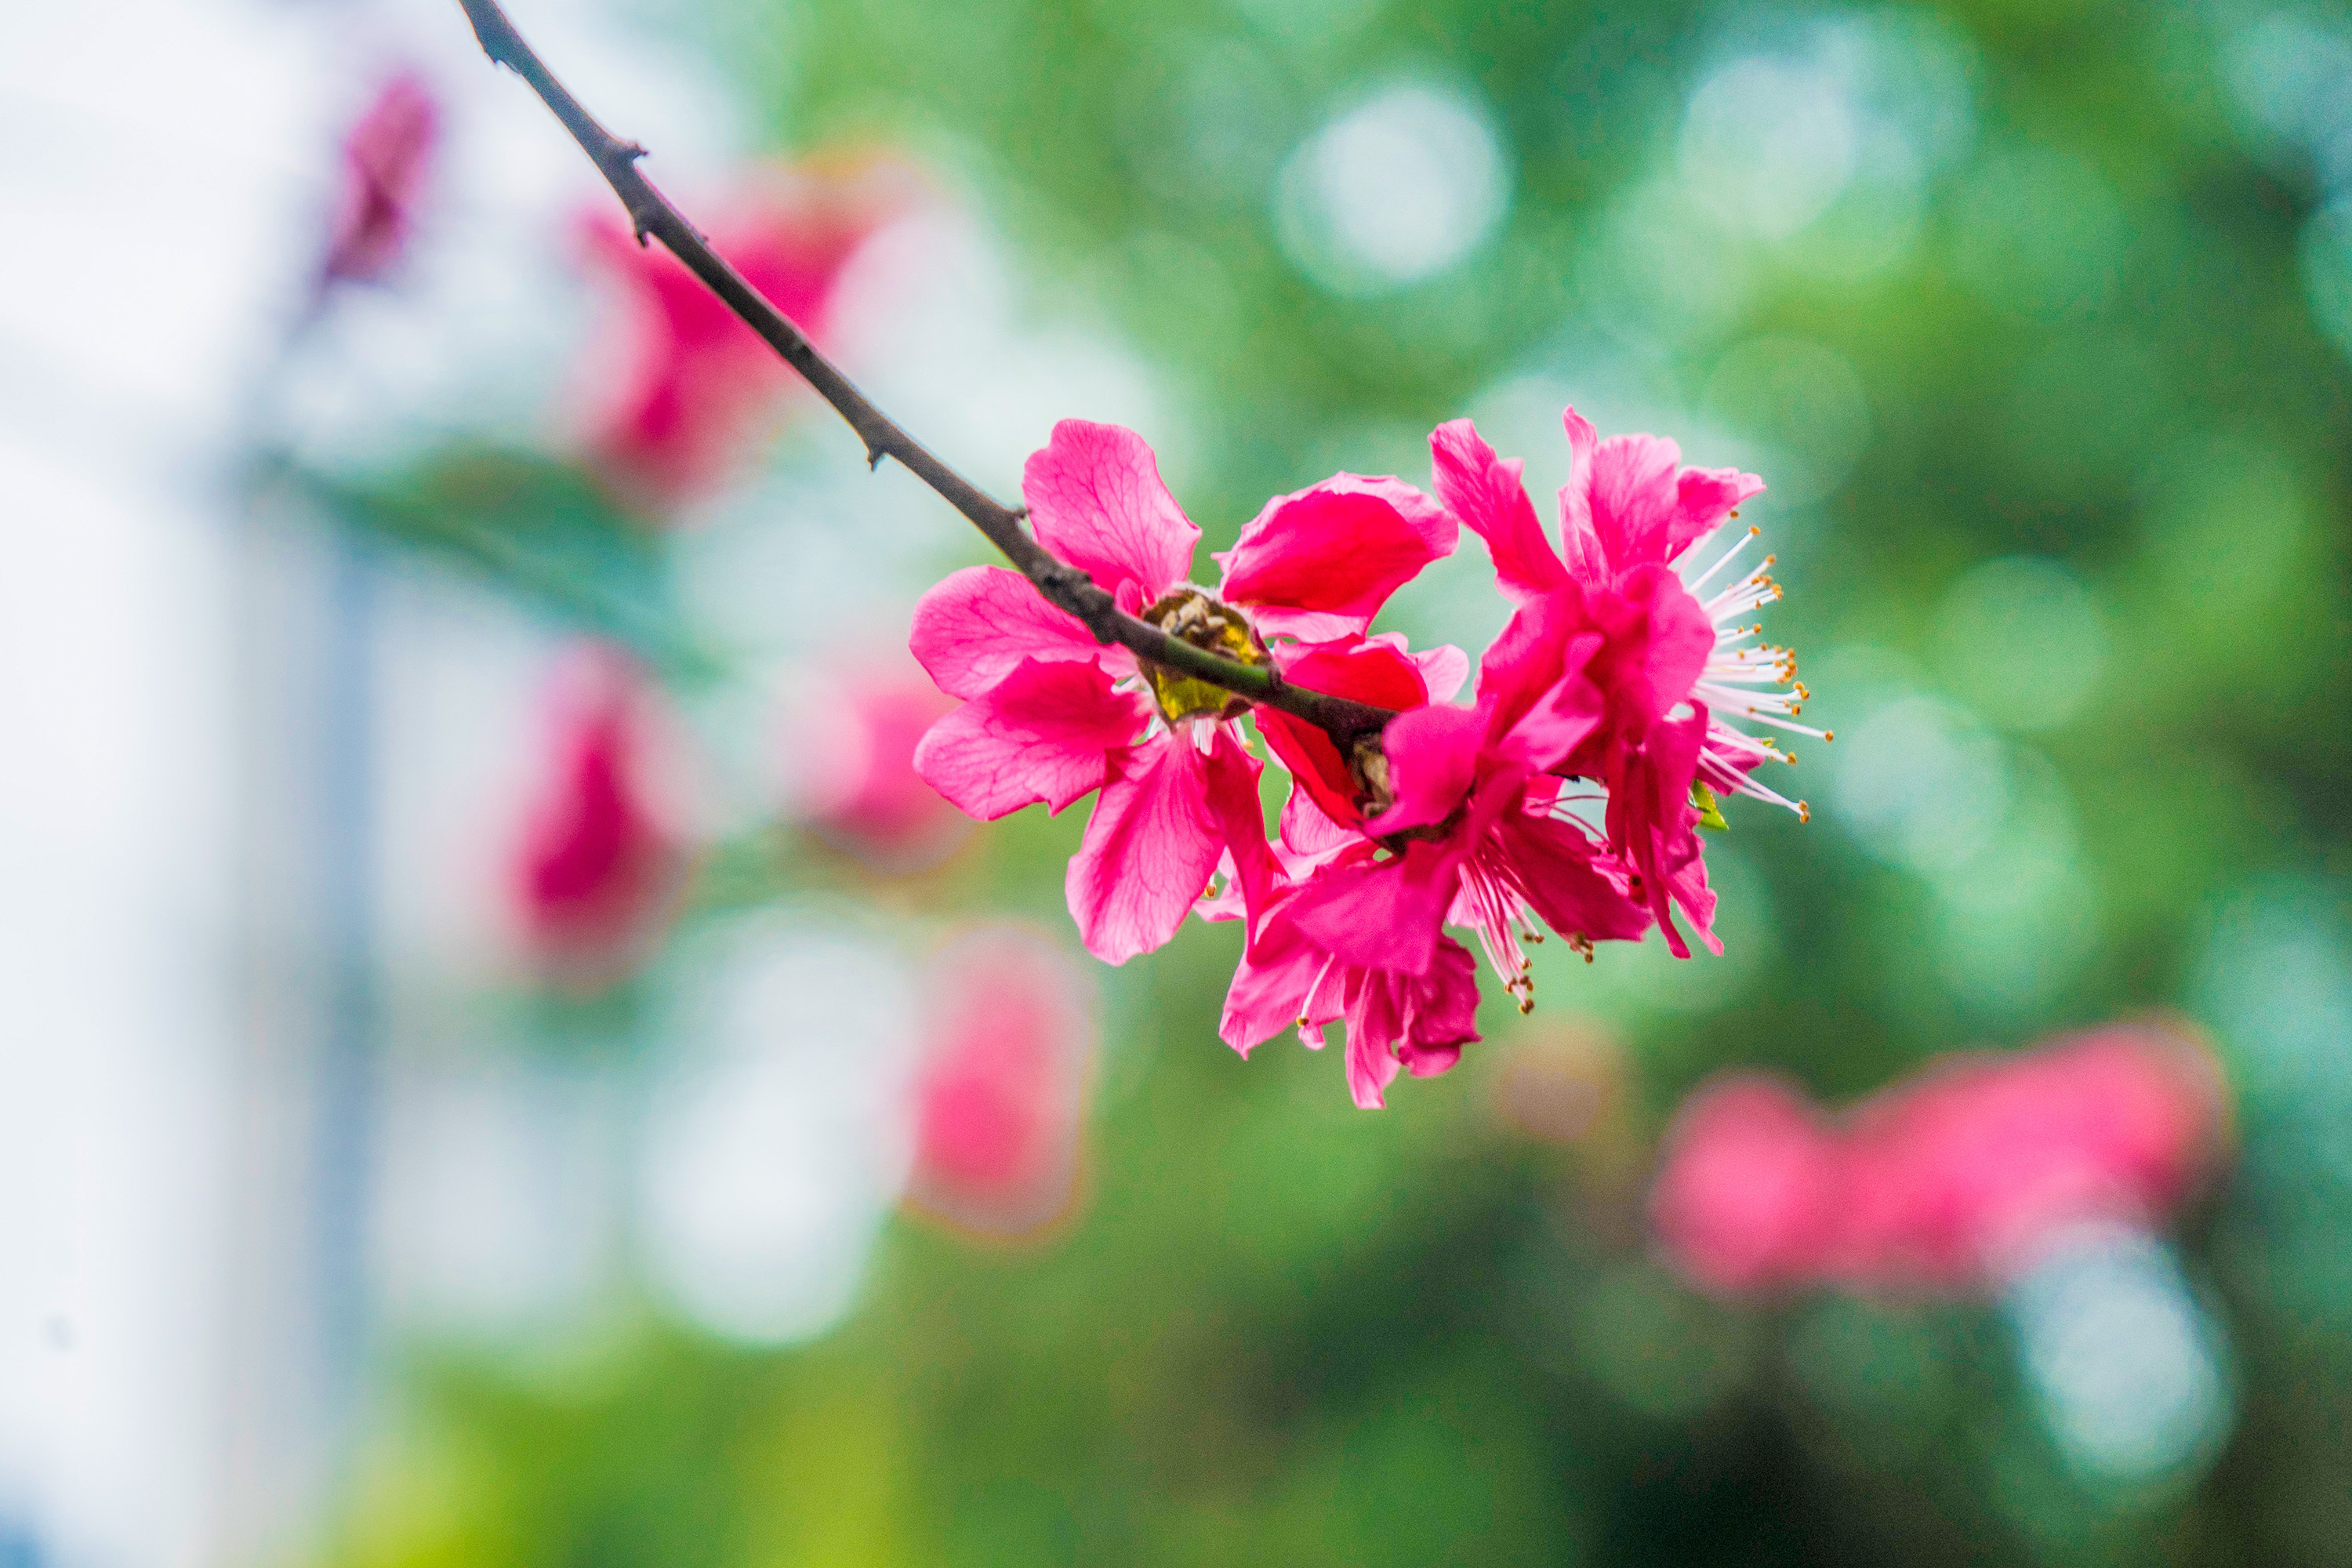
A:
(1063, 585)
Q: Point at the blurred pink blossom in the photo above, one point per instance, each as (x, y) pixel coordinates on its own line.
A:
(597, 863)
(387, 159)
(849, 741)
(688, 388)
(1953, 1180)
(1000, 1092)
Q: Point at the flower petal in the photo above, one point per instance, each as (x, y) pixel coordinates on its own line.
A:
(1271, 986)
(972, 628)
(1046, 732)
(1653, 826)
(1381, 914)
(1627, 500)
(1486, 494)
(1149, 849)
(1095, 500)
(1318, 563)
(1577, 886)
(1432, 755)
(1232, 775)
(1417, 1021)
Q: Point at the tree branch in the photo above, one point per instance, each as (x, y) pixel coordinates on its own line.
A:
(1063, 586)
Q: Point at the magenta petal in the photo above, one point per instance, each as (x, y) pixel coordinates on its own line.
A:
(1371, 1067)
(1575, 885)
(1486, 493)
(1703, 498)
(1626, 496)
(1416, 1021)
(1556, 722)
(1271, 986)
(1681, 636)
(974, 626)
(1544, 641)
(1232, 775)
(1044, 733)
(1443, 671)
(1321, 562)
(1095, 500)
(1149, 849)
(1381, 914)
(1432, 755)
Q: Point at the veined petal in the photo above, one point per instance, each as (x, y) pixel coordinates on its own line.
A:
(1046, 732)
(1680, 636)
(974, 626)
(1381, 914)
(1319, 563)
(1575, 885)
(1653, 824)
(1703, 498)
(1419, 1022)
(1486, 494)
(1271, 986)
(1231, 779)
(1149, 849)
(1095, 500)
(1623, 495)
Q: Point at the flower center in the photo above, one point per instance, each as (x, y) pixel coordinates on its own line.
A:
(1191, 615)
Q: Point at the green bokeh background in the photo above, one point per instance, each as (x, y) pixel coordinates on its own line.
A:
(2094, 312)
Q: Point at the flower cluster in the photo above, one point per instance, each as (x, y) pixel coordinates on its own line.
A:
(1569, 792)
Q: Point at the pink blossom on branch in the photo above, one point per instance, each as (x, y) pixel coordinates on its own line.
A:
(697, 386)
(1051, 715)
(386, 160)
(1955, 1179)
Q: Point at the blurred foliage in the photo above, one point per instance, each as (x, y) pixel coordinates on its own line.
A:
(2067, 321)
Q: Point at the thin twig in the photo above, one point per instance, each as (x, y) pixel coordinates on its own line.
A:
(1063, 586)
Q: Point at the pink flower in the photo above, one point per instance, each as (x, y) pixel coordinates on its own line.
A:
(1668, 665)
(597, 864)
(1956, 1179)
(1453, 818)
(849, 744)
(696, 386)
(1050, 715)
(387, 158)
(1000, 1092)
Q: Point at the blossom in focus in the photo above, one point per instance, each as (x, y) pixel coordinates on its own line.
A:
(1668, 665)
(1957, 1178)
(1051, 715)
(687, 388)
(999, 1089)
(849, 756)
(387, 158)
(598, 862)
(1455, 817)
